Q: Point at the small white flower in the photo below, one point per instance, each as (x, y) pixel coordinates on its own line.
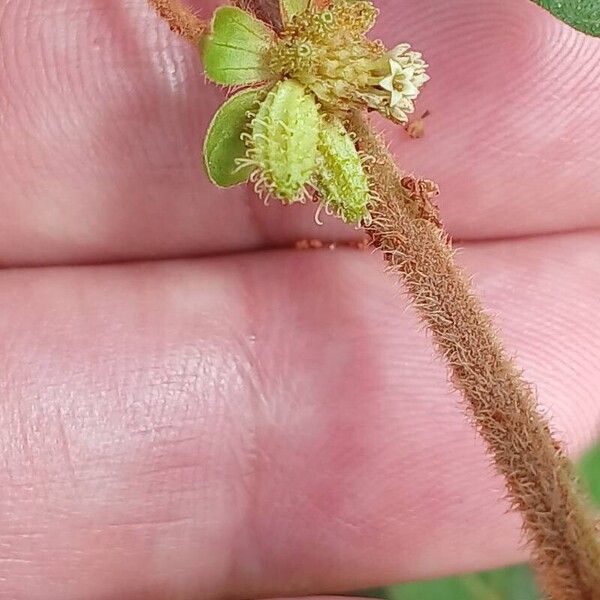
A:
(400, 83)
(404, 56)
(398, 53)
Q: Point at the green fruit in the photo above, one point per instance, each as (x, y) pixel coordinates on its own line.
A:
(341, 180)
(282, 143)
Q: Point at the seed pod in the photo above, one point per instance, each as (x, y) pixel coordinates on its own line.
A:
(341, 180)
(282, 143)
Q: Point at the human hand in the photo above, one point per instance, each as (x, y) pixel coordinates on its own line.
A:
(254, 420)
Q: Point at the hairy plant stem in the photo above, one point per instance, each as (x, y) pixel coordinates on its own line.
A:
(539, 477)
(181, 19)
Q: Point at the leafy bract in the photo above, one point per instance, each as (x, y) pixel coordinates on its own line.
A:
(223, 143)
(234, 51)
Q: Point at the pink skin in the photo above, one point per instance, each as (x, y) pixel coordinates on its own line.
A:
(270, 423)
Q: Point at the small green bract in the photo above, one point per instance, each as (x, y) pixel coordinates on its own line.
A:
(286, 134)
(223, 145)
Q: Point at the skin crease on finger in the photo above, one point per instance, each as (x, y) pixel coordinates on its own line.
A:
(267, 424)
(104, 110)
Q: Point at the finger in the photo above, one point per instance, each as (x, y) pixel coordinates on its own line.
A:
(105, 111)
(514, 116)
(272, 424)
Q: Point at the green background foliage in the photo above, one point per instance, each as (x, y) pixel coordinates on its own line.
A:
(581, 14)
(512, 583)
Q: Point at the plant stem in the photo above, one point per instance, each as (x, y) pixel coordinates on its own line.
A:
(181, 19)
(539, 477)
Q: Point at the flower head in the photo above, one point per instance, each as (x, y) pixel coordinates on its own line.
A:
(331, 67)
(402, 82)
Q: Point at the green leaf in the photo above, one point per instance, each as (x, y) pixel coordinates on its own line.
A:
(223, 143)
(581, 14)
(290, 8)
(234, 52)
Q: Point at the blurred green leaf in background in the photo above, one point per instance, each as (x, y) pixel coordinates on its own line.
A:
(511, 583)
(515, 583)
(589, 467)
(580, 14)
